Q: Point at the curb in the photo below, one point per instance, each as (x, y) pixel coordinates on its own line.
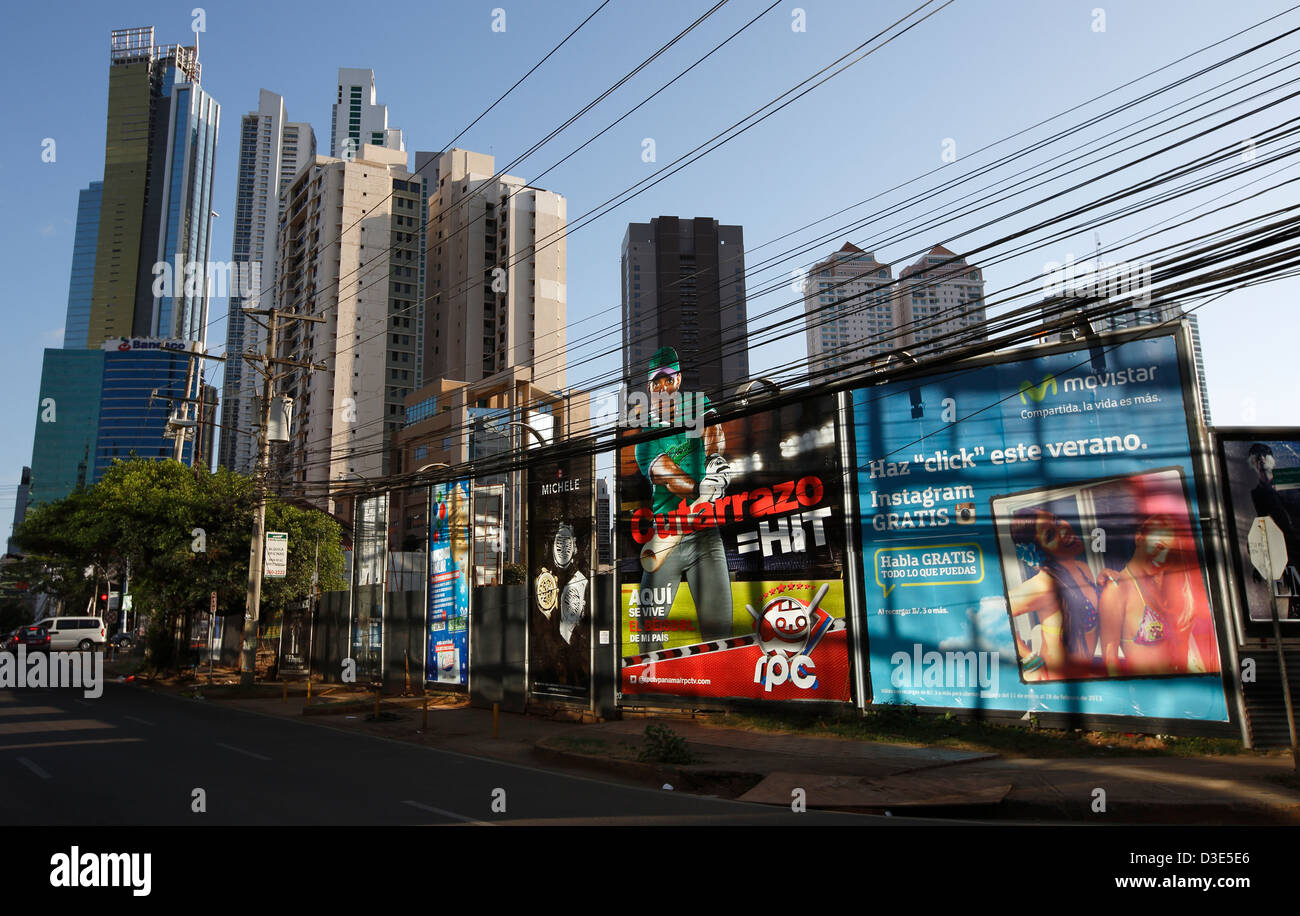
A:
(1145, 813)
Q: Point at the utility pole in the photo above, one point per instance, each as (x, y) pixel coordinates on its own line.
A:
(179, 426)
(268, 361)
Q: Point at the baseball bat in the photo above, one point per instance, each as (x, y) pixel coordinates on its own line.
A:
(656, 549)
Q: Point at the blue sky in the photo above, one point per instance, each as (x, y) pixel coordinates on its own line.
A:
(973, 73)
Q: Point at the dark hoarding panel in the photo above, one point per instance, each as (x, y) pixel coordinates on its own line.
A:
(561, 510)
(295, 638)
(731, 554)
(1261, 479)
(1031, 539)
(370, 563)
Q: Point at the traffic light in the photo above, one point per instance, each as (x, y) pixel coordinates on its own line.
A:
(101, 604)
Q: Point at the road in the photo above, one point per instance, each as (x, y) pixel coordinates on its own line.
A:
(134, 757)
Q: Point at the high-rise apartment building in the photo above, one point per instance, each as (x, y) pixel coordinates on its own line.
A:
(349, 251)
(272, 149)
(939, 296)
(684, 287)
(357, 119)
(848, 312)
(495, 272)
(855, 312)
(156, 204)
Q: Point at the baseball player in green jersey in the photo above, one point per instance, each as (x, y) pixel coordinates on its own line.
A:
(687, 466)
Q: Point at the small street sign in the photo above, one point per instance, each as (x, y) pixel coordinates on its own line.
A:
(276, 562)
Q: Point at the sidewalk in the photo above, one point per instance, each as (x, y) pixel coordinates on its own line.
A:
(847, 774)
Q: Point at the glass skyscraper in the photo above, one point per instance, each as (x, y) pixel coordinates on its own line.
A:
(67, 423)
(156, 210)
(140, 280)
(76, 327)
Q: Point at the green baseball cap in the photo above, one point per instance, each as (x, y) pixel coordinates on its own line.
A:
(664, 361)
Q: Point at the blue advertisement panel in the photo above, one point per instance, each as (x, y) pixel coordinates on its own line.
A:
(1030, 538)
(449, 571)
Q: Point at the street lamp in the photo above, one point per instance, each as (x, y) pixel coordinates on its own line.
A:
(541, 440)
(743, 391)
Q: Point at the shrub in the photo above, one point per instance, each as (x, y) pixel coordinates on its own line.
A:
(663, 745)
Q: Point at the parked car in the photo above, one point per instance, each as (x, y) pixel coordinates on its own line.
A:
(75, 632)
(35, 638)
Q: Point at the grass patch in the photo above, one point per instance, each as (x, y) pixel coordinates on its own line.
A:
(904, 724)
(596, 747)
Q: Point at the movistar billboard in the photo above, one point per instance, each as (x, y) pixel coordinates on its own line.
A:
(1030, 537)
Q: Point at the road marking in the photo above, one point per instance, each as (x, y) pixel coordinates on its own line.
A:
(34, 768)
(19, 747)
(137, 719)
(31, 711)
(451, 814)
(52, 725)
(239, 750)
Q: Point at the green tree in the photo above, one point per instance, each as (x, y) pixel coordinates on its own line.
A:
(182, 534)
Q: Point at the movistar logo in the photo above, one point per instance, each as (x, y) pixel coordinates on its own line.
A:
(1039, 391)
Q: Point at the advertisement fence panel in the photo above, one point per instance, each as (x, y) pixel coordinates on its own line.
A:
(449, 572)
(561, 509)
(1030, 538)
(1261, 470)
(748, 516)
(370, 544)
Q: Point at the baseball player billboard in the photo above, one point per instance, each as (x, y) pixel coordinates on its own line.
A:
(561, 509)
(731, 545)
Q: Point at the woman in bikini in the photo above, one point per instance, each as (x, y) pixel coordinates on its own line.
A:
(1147, 609)
(1063, 594)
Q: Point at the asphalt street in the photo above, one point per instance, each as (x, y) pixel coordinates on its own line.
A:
(133, 757)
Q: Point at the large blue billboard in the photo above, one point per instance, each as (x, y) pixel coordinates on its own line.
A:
(448, 593)
(1030, 538)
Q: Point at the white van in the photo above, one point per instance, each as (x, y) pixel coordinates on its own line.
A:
(75, 632)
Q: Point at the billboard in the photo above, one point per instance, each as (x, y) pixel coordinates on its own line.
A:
(1261, 479)
(448, 592)
(561, 505)
(731, 555)
(1030, 537)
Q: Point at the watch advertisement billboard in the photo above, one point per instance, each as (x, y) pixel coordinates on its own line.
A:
(1030, 537)
(731, 553)
(561, 509)
(1261, 479)
(449, 571)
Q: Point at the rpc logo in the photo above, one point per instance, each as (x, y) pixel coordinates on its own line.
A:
(787, 630)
